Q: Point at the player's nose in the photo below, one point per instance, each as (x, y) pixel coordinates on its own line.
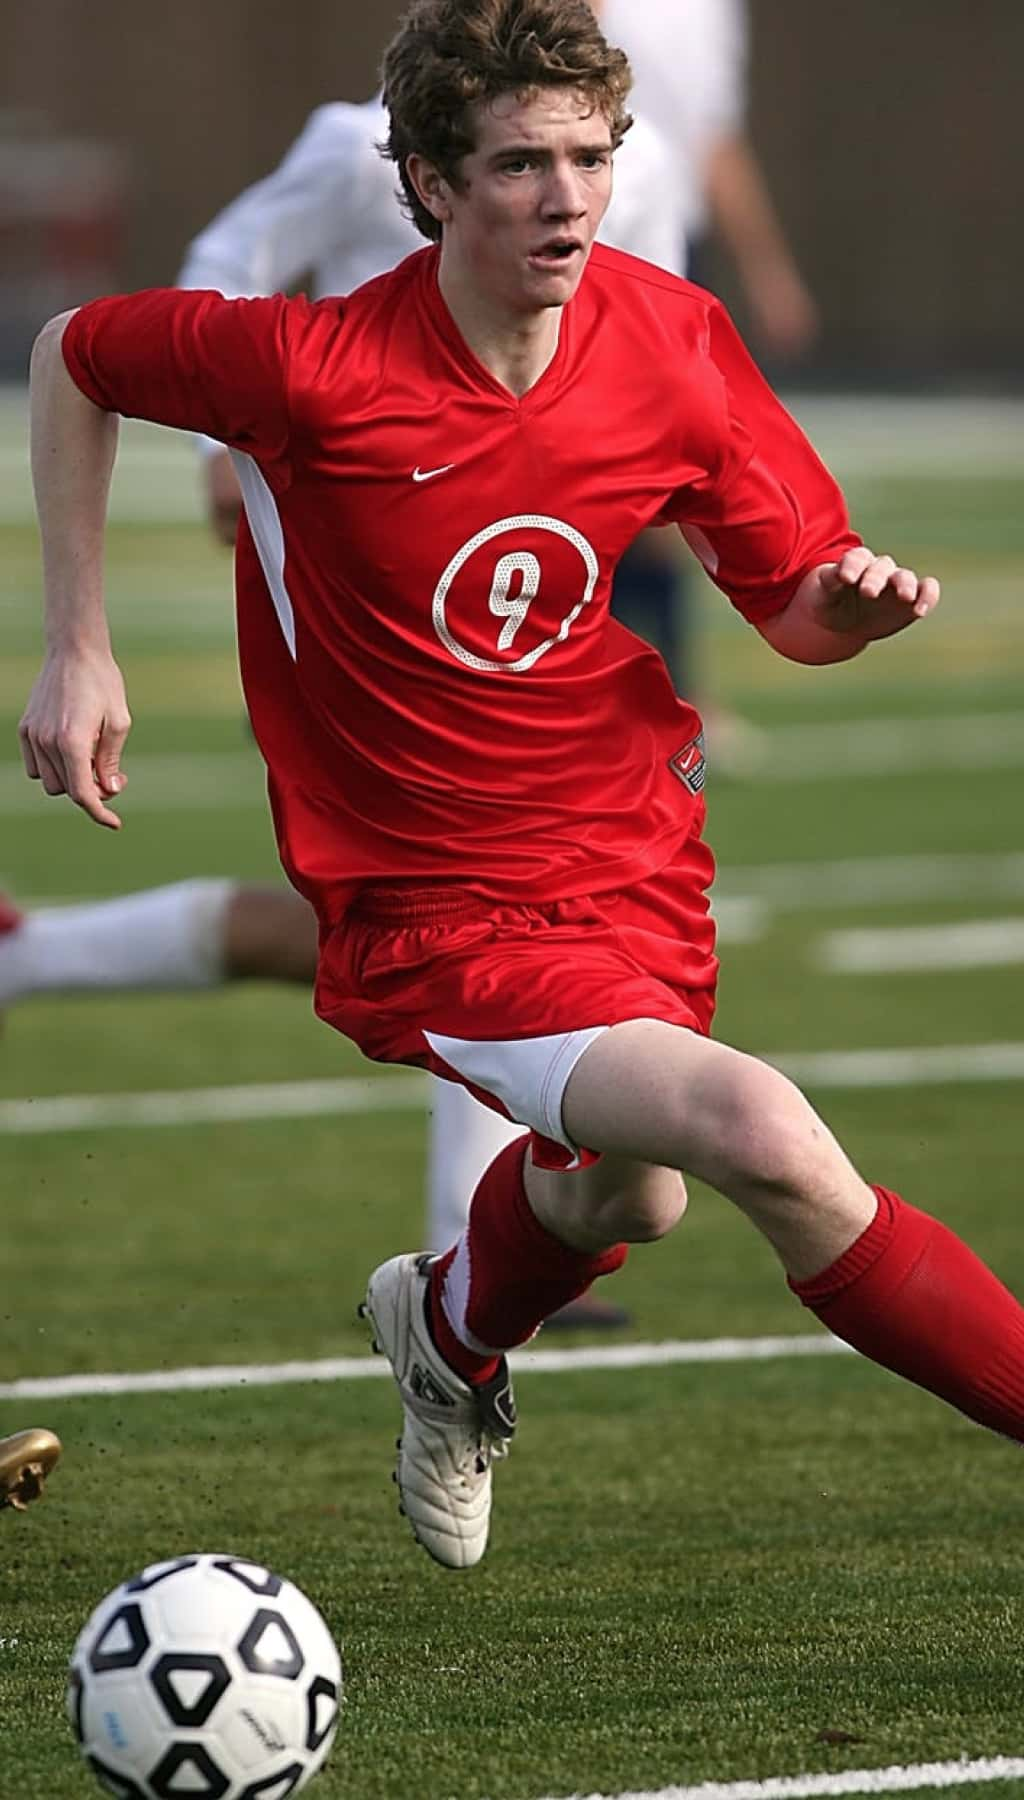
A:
(564, 196)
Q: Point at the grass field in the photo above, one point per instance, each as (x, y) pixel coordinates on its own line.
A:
(707, 1573)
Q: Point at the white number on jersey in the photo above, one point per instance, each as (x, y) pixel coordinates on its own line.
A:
(513, 611)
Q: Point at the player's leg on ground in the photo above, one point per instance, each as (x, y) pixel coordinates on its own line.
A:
(456, 1394)
(895, 1283)
(452, 1429)
(508, 1272)
(458, 1412)
(193, 934)
(464, 1138)
(512, 1268)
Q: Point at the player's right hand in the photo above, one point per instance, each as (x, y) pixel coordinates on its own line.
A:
(73, 730)
(223, 496)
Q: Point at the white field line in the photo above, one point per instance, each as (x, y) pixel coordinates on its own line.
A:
(608, 1357)
(950, 1064)
(932, 1066)
(906, 1778)
(873, 747)
(215, 1105)
(184, 780)
(740, 918)
(875, 880)
(869, 436)
(875, 435)
(212, 1105)
(974, 944)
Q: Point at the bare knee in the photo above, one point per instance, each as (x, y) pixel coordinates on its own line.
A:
(642, 1211)
(768, 1140)
(604, 1205)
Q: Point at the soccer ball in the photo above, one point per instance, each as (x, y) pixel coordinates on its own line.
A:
(208, 1677)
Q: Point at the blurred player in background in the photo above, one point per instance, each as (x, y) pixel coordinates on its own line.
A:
(690, 71)
(690, 62)
(495, 803)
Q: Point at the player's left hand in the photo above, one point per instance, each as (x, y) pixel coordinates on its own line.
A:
(870, 596)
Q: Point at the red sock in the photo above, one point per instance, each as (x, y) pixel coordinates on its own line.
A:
(506, 1274)
(914, 1298)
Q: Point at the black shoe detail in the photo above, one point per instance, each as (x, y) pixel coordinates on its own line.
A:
(496, 1404)
(426, 1388)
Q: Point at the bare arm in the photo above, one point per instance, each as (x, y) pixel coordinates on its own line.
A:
(747, 223)
(76, 720)
(841, 607)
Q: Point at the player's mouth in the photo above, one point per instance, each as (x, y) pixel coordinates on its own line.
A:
(556, 252)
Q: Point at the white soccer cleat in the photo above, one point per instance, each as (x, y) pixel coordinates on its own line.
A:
(451, 1432)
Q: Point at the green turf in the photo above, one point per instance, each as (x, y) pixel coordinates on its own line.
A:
(697, 1574)
(756, 1557)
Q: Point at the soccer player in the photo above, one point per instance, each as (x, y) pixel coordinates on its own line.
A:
(329, 209)
(487, 788)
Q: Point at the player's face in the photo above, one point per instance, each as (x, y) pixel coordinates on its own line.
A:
(530, 199)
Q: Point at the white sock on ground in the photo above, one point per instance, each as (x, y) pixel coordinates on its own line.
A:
(170, 937)
(465, 1138)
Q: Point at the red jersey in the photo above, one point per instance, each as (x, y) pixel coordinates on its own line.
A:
(424, 571)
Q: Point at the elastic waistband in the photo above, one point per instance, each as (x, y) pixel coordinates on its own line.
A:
(405, 905)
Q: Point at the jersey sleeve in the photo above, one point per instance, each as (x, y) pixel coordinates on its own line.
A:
(226, 368)
(293, 220)
(769, 511)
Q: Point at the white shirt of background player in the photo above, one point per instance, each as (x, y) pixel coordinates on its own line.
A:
(689, 61)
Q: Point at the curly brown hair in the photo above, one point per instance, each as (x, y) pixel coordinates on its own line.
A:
(449, 55)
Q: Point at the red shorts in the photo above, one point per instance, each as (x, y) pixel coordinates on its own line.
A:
(505, 998)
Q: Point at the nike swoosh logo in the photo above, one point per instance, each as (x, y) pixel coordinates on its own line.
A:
(419, 474)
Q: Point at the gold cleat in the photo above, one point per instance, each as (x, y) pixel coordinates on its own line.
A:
(26, 1459)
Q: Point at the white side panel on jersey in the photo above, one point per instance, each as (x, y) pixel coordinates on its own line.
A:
(528, 1075)
(701, 546)
(265, 525)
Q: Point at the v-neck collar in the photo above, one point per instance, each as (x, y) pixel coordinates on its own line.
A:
(471, 365)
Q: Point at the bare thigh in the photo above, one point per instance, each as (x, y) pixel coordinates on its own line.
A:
(648, 1093)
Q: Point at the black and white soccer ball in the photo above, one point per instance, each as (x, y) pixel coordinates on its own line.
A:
(207, 1677)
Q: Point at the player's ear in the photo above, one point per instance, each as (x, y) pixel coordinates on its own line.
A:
(431, 187)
